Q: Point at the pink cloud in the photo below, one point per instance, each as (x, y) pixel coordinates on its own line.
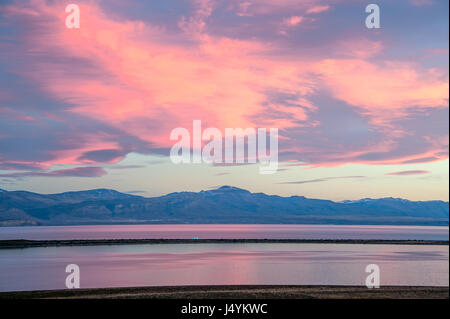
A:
(408, 173)
(359, 48)
(318, 9)
(145, 80)
(393, 86)
(292, 21)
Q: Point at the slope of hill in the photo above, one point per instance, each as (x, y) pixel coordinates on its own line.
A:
(94, 194)
(227, 205)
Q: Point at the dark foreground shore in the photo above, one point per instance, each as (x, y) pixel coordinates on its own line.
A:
(98, 242)
(239, 292)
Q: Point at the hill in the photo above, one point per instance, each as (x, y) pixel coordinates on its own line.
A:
(224, 205)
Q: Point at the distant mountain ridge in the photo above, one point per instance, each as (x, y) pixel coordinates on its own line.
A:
(224, 205)
(94, 194)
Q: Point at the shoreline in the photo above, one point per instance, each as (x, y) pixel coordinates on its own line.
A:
(21, 243)
(238, 292)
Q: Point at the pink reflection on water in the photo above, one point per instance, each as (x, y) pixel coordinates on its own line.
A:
(224, 264)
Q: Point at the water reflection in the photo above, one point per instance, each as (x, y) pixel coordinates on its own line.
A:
(223, 264)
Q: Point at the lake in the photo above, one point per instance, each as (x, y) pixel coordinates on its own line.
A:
(223, 264)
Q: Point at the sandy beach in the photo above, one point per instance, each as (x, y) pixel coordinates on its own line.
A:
(239, 292)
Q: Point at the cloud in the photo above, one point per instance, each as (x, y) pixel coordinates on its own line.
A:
(388, 86)
(421, 160)
(292, 21)
(410, 172)
(324, 179)
(125, 166)
(70, 172)
(222, 174)
(103, 156)
(266, 7)
(318, 9)
(135, 192)
(120, 84)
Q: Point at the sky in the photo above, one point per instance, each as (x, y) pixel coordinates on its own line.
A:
(360, 112)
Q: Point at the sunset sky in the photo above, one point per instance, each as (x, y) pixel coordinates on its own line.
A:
(360, 112)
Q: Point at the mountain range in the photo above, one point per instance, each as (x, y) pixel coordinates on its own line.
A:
(224, 205)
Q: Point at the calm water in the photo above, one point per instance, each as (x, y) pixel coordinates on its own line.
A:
(226, 231)
(215, 264)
